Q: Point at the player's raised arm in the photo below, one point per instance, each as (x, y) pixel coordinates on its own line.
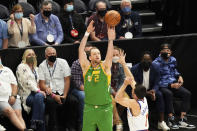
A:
(108, 59)
(82, 55)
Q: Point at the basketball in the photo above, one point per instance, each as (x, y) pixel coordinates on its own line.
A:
(112, 18)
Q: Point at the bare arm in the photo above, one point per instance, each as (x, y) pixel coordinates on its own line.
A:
(108, 59)
(5, 43)
(93, 37)
(126, 69)
(82, 55)
(125, 101)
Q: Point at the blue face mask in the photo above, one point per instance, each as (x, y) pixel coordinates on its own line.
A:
(18, 15)
(126, 9)
(69, 8)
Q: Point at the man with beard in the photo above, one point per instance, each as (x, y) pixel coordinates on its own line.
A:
(97, 76)
(147, 74)
(171, 84)
(100, 32)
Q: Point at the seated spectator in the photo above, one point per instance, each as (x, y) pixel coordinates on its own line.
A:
(117, 79)
(3, 35)
(137, 108)
(31, 96)
(171, 84)
(147, 74)
(130, 24)
(19, 28)
(49, 30)
(54, 74)
(72, 23)
(78, 84)
(10, 104)
(100, 32)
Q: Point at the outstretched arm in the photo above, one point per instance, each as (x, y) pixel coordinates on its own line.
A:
(125, 101)
(82, 55)
(126, 69)
(108, 59)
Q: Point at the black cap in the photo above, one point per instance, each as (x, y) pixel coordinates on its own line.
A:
(67, 1)
(165, 46)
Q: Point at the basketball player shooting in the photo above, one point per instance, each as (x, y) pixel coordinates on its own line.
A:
(137, 108)
(97, 77)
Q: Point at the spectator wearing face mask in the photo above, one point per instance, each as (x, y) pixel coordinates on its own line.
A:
(19, 28)
(49, 30)
(100, 32)
(72, 23)
(117, 79)
(147, 74)
(130, 24)
(171, 84)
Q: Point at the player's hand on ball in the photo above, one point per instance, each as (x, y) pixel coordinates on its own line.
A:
(111, 33)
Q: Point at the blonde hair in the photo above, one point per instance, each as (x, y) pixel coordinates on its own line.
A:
(25, 54)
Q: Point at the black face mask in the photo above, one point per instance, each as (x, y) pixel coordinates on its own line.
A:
(52, 58)
(145, 65)
(102, 12)
(164, 55)
(46, 13)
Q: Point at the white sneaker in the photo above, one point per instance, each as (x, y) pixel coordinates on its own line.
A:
(162, 125)
(2, 128)
(119, 127)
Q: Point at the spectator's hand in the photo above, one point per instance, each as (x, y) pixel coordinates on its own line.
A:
(48, 91)
(57, 99)
(152, 94)
(90, 27)
(56, 43)
(180, 80)
(12, 17)
(175, 85)
(32, 17)
(77, 42)
(122, 58)
(46, 44)
(121, 37)
(111, 33)
(12, 100)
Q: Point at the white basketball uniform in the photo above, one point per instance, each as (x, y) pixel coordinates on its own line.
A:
(140, 122)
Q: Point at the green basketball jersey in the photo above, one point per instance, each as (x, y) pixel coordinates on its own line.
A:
(97, 86)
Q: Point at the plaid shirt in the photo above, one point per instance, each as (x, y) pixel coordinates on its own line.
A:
(77, 74)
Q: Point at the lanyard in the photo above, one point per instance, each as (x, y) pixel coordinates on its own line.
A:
(34, 72)
(71, 21)
(51, 74)
(20, 29)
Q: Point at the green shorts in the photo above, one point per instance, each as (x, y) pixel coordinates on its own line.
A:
(97, 116)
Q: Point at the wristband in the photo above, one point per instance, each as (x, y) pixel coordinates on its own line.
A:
(87, 34)
(12, 22)
(52, 95)
(38, 91)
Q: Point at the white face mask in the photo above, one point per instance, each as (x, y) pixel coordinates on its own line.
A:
(115, 59)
